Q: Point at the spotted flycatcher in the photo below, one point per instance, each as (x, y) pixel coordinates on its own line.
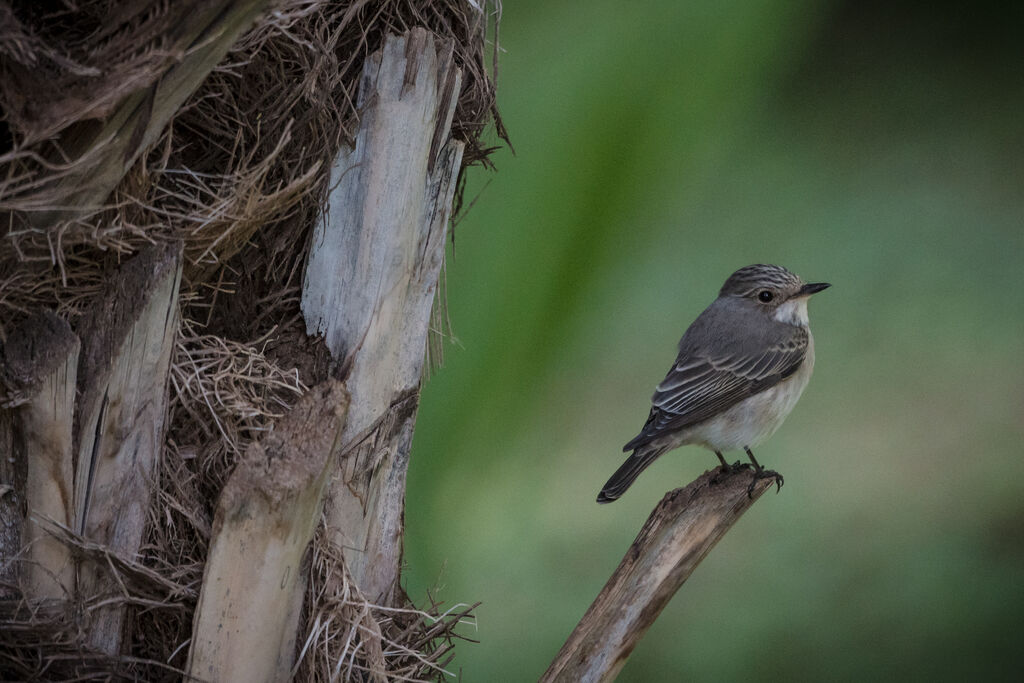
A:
(741, 367)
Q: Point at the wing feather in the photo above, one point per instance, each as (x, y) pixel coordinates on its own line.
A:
(699, 386)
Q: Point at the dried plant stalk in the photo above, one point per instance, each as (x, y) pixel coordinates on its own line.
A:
(370, 283)
(40, 361)
(245, 622)
(126, 354)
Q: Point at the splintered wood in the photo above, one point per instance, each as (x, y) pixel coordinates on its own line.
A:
(35, 436)
(81, 432)
(249, 607)
(125, 359)
(370, 283)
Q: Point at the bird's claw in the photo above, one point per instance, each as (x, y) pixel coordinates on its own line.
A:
(765, 474)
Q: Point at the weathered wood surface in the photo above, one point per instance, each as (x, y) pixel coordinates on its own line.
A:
(100, 156)
(39, 364)
(370, 282)
(44, 348)
(122, 378)
(245, 624)
(679, 533)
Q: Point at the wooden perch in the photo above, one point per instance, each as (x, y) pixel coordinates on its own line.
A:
(39, 363)
(245, 623)
(122, 377)
(370, 282)
(101, 154)
(679, 533)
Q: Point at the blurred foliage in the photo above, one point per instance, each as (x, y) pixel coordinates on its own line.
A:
(659, 146)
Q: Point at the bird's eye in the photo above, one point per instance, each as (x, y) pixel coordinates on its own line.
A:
(765, 296)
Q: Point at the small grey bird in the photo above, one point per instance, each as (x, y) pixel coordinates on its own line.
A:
(741, 367)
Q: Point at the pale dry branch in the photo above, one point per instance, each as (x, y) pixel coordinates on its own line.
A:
(679, 533)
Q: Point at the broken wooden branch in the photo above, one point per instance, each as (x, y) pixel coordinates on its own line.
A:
(679, 533)
(122, 377)
(39, 363)
(245, 624)
(370, 282)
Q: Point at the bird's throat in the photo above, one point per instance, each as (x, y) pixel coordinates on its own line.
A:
(793, 312)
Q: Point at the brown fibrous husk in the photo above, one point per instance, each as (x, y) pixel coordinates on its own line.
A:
(239, 175)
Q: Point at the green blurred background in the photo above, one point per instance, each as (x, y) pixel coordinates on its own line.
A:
(659, 146)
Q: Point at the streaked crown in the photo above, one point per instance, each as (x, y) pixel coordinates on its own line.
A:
(760, 276)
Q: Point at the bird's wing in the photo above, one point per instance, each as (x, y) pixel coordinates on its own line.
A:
(701, 385)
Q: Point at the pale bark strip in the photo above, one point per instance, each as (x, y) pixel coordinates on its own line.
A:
(245, 624)
(370, 283)
(122, 378)
(39, 363)
(101, 156)
(679, 533)
(42, 356)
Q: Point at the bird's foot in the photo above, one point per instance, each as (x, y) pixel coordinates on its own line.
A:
(761, 473)
(728, 470)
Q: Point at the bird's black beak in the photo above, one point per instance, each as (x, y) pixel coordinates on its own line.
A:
(813, 288)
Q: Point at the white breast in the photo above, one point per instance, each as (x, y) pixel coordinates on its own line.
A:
(751, 421)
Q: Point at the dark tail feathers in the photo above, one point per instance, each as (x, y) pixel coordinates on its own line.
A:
(628, 472)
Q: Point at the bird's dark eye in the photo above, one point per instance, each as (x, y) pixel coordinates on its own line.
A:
(765, 296)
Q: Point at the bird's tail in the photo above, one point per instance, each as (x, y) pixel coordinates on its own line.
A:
(628, 472)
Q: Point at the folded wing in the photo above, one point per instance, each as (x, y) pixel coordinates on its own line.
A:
(699, 386)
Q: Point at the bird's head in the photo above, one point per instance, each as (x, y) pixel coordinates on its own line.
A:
(773, 290)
